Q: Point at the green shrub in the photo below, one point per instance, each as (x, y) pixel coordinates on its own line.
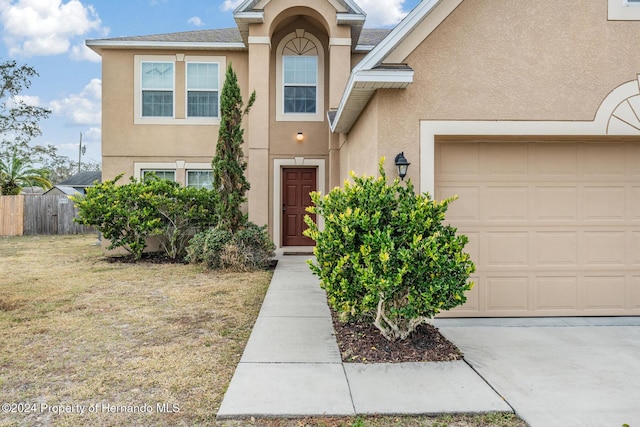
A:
(250, 248)
(129, 214)
(386, 256)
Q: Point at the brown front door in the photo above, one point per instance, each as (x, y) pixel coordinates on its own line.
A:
(297, 183)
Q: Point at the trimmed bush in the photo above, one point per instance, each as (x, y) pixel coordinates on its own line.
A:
(386, 256)
(250, 248)
(129, 214)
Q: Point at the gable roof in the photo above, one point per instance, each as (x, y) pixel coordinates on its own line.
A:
(347, 13)
(372, 73)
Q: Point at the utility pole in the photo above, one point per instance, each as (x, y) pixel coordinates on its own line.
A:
(81, 150)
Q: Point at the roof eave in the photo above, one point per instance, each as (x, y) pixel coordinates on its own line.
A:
(361, 87)
(99, 45)
(244, 19)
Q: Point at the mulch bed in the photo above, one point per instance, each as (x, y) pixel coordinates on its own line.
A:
(363, 343)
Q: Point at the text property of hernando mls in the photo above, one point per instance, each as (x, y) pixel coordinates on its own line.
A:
(100, 408)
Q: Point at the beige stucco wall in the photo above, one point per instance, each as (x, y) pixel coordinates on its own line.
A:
(509, 60)
(360, 153)
(123, 142)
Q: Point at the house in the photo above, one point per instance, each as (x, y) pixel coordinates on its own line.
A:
(528, 111)
(76, 184)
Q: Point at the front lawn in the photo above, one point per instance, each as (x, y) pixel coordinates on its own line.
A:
(132, 344)
(79, 331)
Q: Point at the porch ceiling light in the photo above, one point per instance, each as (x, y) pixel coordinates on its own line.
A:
(402, 165)
(300, 137)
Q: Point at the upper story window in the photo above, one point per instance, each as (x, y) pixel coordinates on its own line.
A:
(624, 10)
(159, 173)
(300, 84)
(157, 89)
(177, 89)
(202, 89)
(300, 77)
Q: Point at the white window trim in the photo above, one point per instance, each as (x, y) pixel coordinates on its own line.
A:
(319, 115)
(137, 89)
(138, 167)
(187, 170)
(222, 68)
(623, 10)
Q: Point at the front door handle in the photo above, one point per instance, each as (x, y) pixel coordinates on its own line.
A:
(284, 208)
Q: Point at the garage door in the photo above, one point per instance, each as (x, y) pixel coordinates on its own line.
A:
(554, 227)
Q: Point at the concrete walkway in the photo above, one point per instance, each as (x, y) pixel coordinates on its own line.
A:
(291, 366)
(551, 371)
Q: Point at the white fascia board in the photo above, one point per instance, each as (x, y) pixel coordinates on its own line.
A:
(353, 6)
(350, 19)
(101, 44)
(256, 17)
(244, 5)
(398, 34)
(381, 77)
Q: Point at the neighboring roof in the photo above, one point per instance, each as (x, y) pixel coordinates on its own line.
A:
(370, 75)
(70, 191)
(82, 179)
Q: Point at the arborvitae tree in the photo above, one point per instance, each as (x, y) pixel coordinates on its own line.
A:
(229, 163)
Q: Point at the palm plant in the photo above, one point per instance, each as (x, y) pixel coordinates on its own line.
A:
(17, 173)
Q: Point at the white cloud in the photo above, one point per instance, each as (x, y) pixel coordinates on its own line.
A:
(382, 13)
(33, 101)
(194, 20)
(81, 52)
(83, 108)
(230, 4)
(45, 27)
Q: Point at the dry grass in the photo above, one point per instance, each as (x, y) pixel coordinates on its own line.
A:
(78, 330)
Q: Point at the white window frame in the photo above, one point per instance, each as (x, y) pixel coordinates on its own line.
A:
(186, 179)
(143, 172)
(319, 115)
(221, 72)
(138, 119)
(624, 10)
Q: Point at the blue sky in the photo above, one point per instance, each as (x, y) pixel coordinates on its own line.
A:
(49, 35)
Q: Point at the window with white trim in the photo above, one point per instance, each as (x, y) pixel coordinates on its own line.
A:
(202, 89)
(159, 77)
(157, 83)
(300, 77)
(159, 173)
(624, 10)
(200, 179)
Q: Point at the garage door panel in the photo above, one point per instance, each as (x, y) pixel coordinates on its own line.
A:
(604, 203)
(634, 204)
(604, 160)
(604, 248)
(507, 249)
(459, 160)
(553, 227)
(559, 203)
(556, 248)
(506, 203)
(605, 292)
(506, 160)
(557, 160)
(466, 208)
(507, 293)
(556, 293)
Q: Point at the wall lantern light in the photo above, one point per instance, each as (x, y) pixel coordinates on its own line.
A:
(300, 137)
(402, 164)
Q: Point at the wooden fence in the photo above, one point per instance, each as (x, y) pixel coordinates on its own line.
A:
(29, 215)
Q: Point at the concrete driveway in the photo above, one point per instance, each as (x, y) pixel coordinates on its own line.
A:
(557, 371)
